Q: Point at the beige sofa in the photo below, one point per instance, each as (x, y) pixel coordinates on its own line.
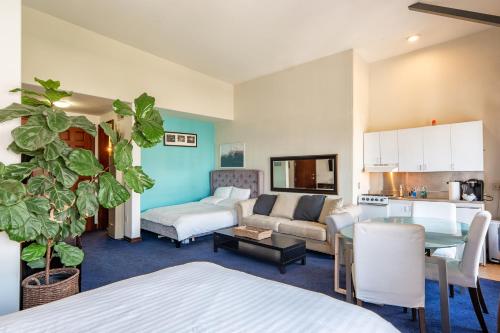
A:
(319, 236)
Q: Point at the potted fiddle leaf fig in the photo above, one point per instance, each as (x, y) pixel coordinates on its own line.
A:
(46, 200)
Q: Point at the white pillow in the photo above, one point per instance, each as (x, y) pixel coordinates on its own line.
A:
(223, 192)
(211, 200)
(240, 193)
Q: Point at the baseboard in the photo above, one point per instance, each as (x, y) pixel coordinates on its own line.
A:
(133, 240)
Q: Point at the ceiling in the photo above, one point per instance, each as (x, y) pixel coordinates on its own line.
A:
(237, 40)
(81, 103)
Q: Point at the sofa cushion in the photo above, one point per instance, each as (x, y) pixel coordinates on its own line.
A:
(306, 229)
(329, 208)
(309, 207)
(263, 221)
(285, 206)
(264, 204)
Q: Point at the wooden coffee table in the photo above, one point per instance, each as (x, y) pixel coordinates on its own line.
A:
(279, 249)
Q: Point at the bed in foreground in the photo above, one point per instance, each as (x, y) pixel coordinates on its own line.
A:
(196, 297)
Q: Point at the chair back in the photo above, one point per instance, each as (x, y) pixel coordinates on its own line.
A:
(440, 210)
(341, 220)
(389, 263)
(469, 265)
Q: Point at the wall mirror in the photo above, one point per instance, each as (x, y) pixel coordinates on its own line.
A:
(306, 174)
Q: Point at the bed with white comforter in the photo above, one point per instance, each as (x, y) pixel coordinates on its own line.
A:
(190, 219)
(196, 297)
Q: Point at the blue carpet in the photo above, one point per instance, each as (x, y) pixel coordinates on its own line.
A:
(108, 260)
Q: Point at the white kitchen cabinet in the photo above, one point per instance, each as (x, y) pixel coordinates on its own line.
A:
(371, 148)
(411, 150)
(437, 148)
(400, 208)
(467, 146)
(389, 147)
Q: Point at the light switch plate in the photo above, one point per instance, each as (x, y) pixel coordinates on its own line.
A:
(496, 186)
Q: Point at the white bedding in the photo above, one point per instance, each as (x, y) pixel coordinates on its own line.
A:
(196, 297)
(193, 218)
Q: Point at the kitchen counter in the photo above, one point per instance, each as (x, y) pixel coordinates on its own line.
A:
(437, 199)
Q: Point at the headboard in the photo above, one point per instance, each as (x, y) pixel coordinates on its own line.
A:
(242, 178)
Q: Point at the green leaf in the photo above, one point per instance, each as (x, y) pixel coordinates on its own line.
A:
(16, 110)
(28, 230)
(61, 197)
(111, 193)
(18, 150)
(33, 252)
(13, 216)
(26, 92)
(34, 135)
(63, 216)
(36, 264)
(122, 108)
(143, 105)
(39, 185)
(70, 255)
(54, 149)
(137, 180)
(113, 136)
(87, 199)
(140, 139)
(83, 162)
(32, 101)
(2, 169)
(11, 191)
(50, 228)
(19, 171)
(48, 84)
(38, 205)
(122, 155)
(58, 121)
(83, 123)
(54, 95)
(63, 175)
(77, 227)
(152, 131)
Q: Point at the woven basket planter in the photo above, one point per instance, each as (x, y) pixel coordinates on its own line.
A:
(35, 293)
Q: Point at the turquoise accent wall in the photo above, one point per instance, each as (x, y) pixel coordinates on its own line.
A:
(181, 174)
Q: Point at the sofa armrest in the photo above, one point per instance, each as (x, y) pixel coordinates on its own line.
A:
(245, 208)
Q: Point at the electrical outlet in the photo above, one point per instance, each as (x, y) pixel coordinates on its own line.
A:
(496, 186)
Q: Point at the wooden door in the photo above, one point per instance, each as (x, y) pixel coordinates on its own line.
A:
(305, 174)
(104, 156)
(78, 138)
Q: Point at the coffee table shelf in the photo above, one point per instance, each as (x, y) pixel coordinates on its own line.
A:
(279, 249)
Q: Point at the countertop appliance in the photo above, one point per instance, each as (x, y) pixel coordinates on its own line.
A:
(473, 186)
(373, 205)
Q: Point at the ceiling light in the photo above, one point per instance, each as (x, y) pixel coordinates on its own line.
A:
(62, 104)
(413, 38)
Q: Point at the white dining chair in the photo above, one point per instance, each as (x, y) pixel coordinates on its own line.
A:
(465, 272)
(336, 222)
(389, 265)
(441, 210)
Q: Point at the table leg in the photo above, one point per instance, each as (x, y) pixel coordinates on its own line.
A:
(443, 292)
(348, 273)
(303, 261)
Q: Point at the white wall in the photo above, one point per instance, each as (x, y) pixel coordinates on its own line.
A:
(303, 110)
(10, 69)
(92, 64)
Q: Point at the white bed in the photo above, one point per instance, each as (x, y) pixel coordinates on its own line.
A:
(182, 222)
(191, 219)
(196, 297)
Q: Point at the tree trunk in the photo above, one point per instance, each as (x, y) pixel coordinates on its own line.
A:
(47, 262)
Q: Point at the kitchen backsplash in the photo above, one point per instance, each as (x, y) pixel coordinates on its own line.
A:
(435, 182)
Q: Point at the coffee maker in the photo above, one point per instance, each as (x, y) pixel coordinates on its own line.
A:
(472, 186)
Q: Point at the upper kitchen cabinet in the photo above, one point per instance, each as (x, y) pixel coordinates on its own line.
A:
(381, 151)
(411, 149)
(467, 146)
(437, 148)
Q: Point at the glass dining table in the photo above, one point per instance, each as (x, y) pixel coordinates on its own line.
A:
(439, 234)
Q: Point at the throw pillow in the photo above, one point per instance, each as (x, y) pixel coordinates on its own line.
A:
(285, 206)
(264, 204)
(330, 207)
(309, 207)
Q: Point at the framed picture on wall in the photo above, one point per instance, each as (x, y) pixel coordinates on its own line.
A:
(180, 139)
(232, 155)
